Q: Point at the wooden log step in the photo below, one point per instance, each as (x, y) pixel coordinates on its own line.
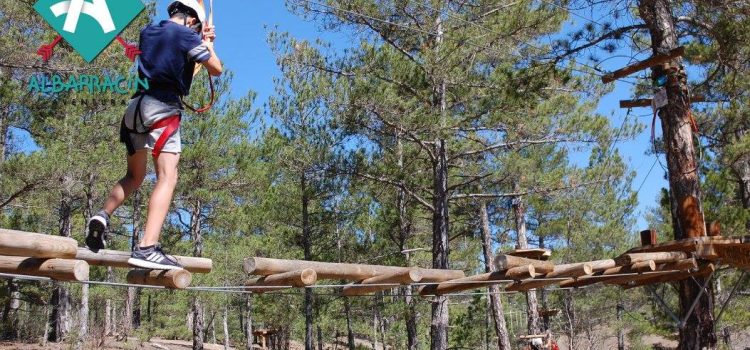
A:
(477, 281)
(114, 258)
(299, 279)
(571, 270)
(341, 271)
(658, 257)
(56, 269)
(505, 262)
(606, 275)
(401, 278)
(35, 245)
(173, 279)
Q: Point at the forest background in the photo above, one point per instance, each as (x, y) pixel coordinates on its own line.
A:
(431, 133)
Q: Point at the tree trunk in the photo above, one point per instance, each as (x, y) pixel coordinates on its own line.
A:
(306, 245)
(545, 301)
(412, 337)
(440, 251)
(196, 234)
(684, 183)
(349, 331)
(742, 169)
(213, 328)
(10, 329)
(225, 324)
(61, 316)
(620, 327)
(249, 321)
(320, 338)
(84, 315)
(198, 326)
(439, 324)
(532, 306)
(503, 340)
(404, 227)
(570, 314)
(3, 133)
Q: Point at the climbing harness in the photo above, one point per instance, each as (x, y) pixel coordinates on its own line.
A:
(170, 124)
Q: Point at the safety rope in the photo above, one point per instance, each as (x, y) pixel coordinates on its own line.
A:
(211, 88)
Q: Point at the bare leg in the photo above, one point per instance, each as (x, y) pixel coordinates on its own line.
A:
(132, 180)
(161, 198)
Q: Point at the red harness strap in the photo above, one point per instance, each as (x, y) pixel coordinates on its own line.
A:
(171, 124)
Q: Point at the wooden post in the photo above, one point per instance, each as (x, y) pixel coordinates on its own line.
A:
(35, 245)
(477, 281)
(648, 237)
(174, 279)
(349, 272)
(298, 279)
(713, 228)
(401, 278)
(56, 269)
(116, 258)
(505, 262)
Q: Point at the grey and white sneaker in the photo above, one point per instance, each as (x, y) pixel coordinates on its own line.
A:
(97, 227)
(153, 258)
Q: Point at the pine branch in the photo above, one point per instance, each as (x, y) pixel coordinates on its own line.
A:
(399, 185)
(609, 35)
(515, 144)
(524, 193)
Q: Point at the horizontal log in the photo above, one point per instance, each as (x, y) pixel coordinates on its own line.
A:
(681, 265)
(605, 275)
(36, 245)
(533, 253)
(601, 265)
(341, 271)
(571, 270)
(114, 258)
(647, 63)
(298, 279)
(657, 257)
(474, 282)
(669, 277)
(401, 278)
(174, 279)
(688, 244)
(505, 262)
(56, 269)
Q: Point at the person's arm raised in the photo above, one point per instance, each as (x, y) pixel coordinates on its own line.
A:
(213, 64)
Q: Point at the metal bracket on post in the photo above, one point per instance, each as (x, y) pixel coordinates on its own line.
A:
(664, 305)
(682, 323)
(731, 295)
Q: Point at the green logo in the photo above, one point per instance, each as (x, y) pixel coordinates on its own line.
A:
(88, 26)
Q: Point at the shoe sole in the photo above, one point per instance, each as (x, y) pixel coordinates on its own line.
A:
(150, 265)
(95, 238)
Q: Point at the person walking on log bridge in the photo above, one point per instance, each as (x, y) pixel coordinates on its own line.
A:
(170, 51)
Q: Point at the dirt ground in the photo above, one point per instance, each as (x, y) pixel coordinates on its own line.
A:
(740, 341)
